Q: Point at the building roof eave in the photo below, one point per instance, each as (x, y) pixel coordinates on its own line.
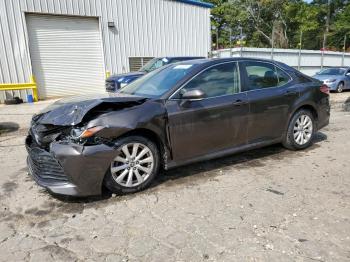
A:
(197, 3)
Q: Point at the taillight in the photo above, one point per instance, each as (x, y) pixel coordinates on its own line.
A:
(324, 89)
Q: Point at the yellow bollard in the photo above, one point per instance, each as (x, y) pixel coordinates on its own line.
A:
(34, 89)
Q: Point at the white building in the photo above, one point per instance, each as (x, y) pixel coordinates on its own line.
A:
(69, 45)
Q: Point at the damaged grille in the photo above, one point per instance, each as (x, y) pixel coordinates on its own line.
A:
(45, 134)
(43, 166)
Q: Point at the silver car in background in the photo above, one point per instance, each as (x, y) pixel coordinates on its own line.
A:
(336, 78)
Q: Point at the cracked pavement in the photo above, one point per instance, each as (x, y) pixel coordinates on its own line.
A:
(269, 204)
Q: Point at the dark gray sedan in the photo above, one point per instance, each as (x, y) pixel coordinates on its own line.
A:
(181, 113)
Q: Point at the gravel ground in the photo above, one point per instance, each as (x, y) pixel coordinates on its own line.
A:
(269, 204)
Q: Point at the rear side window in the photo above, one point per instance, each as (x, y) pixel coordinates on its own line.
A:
(283, 78)
(302, 79)
(215, 81)
(264, 75)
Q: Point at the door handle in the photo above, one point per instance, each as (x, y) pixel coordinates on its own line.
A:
(239, 102)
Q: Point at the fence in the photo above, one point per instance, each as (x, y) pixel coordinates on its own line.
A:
(307, 61)
(20, 90)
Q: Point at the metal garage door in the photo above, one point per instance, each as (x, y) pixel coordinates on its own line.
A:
(66, 54)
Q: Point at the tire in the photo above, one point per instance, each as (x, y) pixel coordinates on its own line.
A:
(117, 178)
(340, 87)
(292, 140)
(14, 101)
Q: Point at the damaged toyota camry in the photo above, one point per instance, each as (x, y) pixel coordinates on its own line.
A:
(179, 114)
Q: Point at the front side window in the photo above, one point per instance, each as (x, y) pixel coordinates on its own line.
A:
(264, 75)
(218, 80)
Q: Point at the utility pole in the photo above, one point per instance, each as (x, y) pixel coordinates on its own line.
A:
(217, 38)
(272, 40)
(211, 37)
(240, 41)
(230, 42)
(325, 34)
(344, 49)
(327, 24)
(300, 46)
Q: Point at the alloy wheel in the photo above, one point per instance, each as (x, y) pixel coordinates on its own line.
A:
(340, 88)
(133, 165)
(302, 131)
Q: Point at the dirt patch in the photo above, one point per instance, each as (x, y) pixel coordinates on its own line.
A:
(347, 105)
(54, 208)
(8, 187)
(8, 127)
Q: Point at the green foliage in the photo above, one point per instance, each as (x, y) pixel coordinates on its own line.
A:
(281, 22)
(341, 27)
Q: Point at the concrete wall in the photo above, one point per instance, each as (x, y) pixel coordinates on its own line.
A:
(310, 61)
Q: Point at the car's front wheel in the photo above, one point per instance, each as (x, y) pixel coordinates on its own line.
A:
(340, 87)
(301, 130)
(134, 167)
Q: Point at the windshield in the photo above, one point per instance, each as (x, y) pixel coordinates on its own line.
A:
(153, 64)
(157, 82)
(332, 71)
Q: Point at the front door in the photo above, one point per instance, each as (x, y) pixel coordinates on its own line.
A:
(214, 123)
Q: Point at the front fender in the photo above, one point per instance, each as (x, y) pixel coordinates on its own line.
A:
(149, 116)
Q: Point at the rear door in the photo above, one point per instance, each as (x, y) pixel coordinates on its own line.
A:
(214, 123)
(270, 95)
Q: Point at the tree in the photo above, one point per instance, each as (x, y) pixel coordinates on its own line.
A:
(281, 22)
(341, 27)
(268, 19)
(307, 19)
(217, 19)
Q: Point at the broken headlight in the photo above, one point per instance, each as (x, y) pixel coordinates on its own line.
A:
(83, 132)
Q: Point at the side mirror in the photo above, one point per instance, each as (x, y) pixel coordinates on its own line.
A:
(347, 74)
(195, 94)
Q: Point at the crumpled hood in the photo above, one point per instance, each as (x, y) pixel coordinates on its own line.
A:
(71, 111)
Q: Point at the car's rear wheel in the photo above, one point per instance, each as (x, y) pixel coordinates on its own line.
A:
(134, 167)
(301, 130)
(340, 87)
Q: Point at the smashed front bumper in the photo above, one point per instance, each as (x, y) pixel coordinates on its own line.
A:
(68, 168)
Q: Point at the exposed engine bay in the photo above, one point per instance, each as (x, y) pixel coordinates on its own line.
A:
(68, 122)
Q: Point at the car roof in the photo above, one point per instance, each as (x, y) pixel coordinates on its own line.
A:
(182, 57)
(229, 59)
(202, 63)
